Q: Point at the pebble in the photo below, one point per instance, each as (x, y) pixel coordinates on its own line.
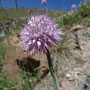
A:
(78, 70)
(70, 77)
(2, 34)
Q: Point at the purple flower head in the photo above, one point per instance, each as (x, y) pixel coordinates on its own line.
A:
(43, 2)
(73, 6)
(40, 32)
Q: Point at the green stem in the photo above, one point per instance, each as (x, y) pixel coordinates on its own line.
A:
(51, 69)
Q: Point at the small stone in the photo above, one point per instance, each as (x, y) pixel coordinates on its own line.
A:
(81, 47)
(68, 75)
(79, 69)
(2, 34)
(75, 69)
(72, 78)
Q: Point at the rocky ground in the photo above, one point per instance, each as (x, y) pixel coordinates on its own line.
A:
(72, 67)
(74, 77)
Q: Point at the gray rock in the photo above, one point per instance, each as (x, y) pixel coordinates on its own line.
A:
(2, 34)
(4, 29)
(71, 78)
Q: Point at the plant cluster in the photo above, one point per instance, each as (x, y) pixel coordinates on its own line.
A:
(74, 17)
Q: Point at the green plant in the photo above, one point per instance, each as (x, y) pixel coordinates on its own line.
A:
(28, 80)
(2, 54)
(84, 10)
(75, 17)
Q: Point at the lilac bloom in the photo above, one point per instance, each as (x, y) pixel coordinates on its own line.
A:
(40, 33)
(43, 2)
(73, 6)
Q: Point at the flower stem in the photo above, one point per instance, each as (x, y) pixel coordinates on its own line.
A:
(51, 69)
